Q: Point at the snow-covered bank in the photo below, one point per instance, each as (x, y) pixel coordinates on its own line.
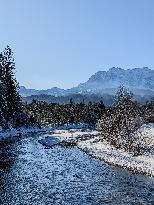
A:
(90, 142)
(143, 164)
(58, 136)
(6, 134)
(20, 131)
(74, 134)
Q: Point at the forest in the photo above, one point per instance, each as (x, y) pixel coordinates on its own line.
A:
(48, 114)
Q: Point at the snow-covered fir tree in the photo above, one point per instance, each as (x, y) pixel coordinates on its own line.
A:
(10, 105)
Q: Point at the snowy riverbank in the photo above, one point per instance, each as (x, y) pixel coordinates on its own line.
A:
(143, 164)
(89, 142)
(11, 133)
(6, 134)
(67, 135)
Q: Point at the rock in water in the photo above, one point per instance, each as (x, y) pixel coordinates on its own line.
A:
(49, 141)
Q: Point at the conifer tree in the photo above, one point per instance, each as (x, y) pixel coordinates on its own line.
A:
(11, 103)
(2, 101)
(2, 106)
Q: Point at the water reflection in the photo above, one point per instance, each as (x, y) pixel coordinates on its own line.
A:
(67, 176)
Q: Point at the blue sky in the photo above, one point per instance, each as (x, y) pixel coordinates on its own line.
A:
(63, 42)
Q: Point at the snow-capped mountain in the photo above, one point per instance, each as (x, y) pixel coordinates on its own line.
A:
(53, 91)
(139, 80)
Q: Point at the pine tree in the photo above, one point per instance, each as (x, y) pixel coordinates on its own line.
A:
(11, 103)
(2, 107)
(2, 101)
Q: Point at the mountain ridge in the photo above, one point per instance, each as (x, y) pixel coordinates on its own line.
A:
(139, 80)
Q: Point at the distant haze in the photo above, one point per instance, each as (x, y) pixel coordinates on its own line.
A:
(63, 42)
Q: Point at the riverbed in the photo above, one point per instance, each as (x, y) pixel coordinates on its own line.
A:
(38, 175)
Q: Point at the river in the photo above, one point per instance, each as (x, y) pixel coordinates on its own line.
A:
(66, 176)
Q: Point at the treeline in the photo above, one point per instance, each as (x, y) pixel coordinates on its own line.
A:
(108, 99)
(77, 98)
(56, 114)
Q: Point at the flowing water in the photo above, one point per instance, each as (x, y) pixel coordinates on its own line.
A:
(66, 176)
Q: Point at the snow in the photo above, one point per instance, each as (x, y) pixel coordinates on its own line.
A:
(146, 134)
(73, 134)
(66, 135)
(90, 142)
(142, 164)
(4, 134)
(20, 131)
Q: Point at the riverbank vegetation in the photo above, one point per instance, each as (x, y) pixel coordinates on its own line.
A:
(119, 124)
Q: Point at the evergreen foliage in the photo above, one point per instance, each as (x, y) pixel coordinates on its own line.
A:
(55, 114)
(10, 102)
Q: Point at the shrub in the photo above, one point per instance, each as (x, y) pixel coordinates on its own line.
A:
(119, 124)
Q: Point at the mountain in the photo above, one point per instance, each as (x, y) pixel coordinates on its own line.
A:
(53, 91)
(139, 80)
